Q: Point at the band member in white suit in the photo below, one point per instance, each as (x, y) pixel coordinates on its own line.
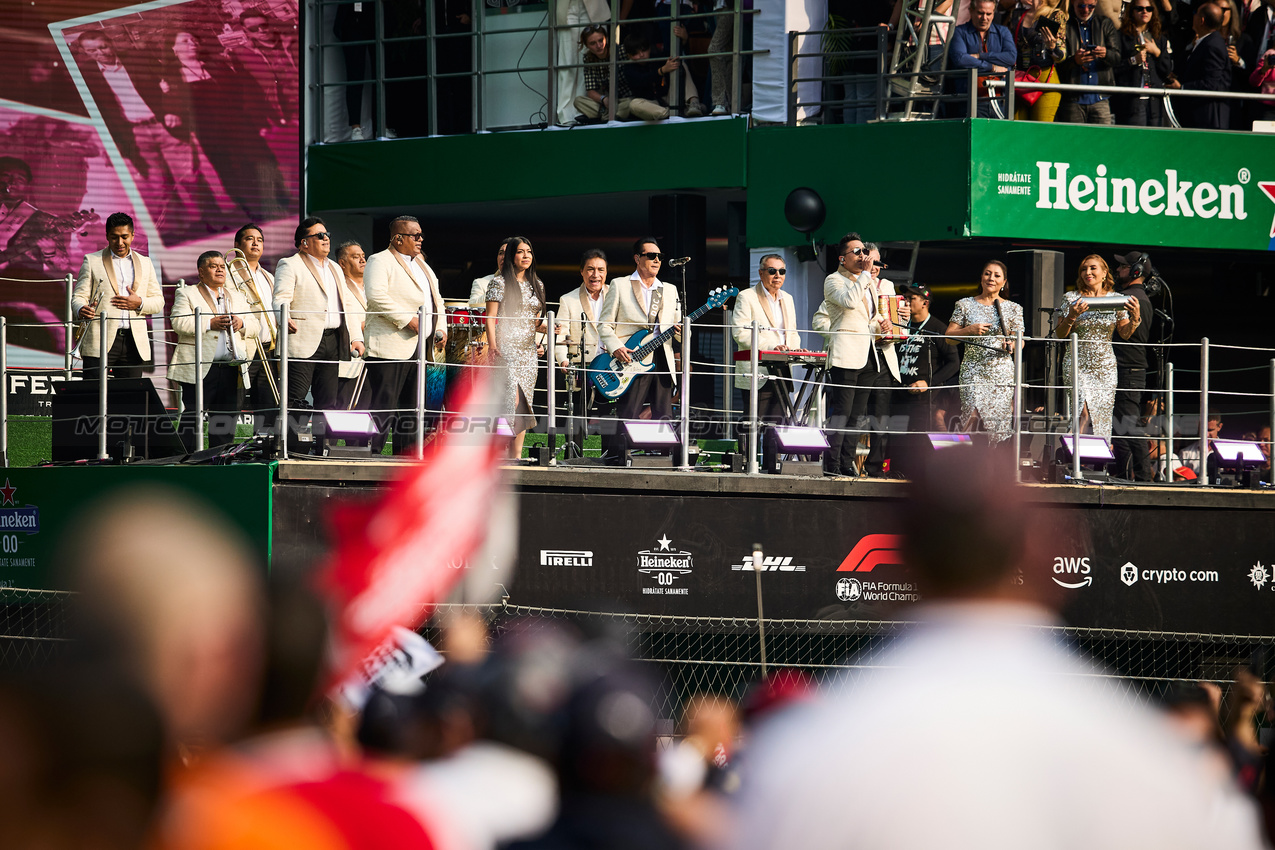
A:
(120, 282)
(252, 241)
(638, 301)
(478, 289)
(398, 282)
(776, 317)
(310, 283)
(352, 259)
(579, 312)
(854, 360)
(226, 326)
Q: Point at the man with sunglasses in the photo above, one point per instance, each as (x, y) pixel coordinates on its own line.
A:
(399, 282)
(1093, 52)
(639, 301)
(309, 282)
(773, 310)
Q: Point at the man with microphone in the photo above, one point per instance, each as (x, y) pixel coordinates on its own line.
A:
(1133, 462)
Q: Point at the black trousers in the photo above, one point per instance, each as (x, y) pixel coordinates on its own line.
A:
(223, 398)
(655, 387)
(261, 400)
(909, 451)
(851, 396)
(318, 379)
(391, 394)
(1133, 459)
(123, 360)
(872, 410)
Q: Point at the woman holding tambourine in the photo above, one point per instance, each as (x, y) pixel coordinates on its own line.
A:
(1092, 313)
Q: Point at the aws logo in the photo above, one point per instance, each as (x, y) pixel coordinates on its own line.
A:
(1072, 568)
(872, 551)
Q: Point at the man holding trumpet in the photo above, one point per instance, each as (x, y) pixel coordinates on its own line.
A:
(121, 283)
(263, 387)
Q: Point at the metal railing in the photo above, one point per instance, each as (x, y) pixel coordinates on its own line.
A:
(412, 60)
(700, 416)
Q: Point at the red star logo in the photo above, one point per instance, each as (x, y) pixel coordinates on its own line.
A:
(7, 492)
(1268, 187)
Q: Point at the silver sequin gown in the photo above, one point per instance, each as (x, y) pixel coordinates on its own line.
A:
(987, 376)
(516, 339)
(1097, 361)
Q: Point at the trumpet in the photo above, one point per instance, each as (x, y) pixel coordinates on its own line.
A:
(240, 275)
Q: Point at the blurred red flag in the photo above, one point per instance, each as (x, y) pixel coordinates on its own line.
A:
(404, 552)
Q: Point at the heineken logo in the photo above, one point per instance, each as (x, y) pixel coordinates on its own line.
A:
(1058, 188)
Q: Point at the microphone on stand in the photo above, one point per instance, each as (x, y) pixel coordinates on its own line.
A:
(680, 261)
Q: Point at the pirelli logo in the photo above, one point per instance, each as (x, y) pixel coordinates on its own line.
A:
(566, 558)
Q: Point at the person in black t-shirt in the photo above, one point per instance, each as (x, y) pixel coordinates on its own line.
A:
(1133, 463)
(927, 363)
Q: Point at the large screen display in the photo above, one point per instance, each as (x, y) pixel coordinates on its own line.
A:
(181, 113)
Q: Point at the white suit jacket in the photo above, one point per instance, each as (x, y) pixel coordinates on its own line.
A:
(393, 299)
(570, 308)
(356, 312)
(623, 315)
(752, 304)
(597, 10)
(182, 367)
(96, 285)
(297, 285)
(847, 301)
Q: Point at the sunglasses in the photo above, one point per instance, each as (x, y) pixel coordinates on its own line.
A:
(591, 30)
(859, 252)
(323, 236)
(652, 255)
(775, 272)
(414, 236)
(1141, 9)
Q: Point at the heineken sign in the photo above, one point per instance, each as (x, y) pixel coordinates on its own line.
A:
(1119, 185)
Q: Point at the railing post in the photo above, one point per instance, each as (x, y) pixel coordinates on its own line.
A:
(1074, 342)
(728, 376)
(4, 392)
(1168, 413)
(378, 62)
(684, 409)
(613, 51)
(282, 425)
(68, 342)
(677, 85)
(431, 46)
(199, 378)
(102, 350)
(1018, 406)
(1009, 95)
(754, 365)
(736, 67)
(551, 390)
(973, 92)
(792, 78)
(422, 362)
(1202, 479)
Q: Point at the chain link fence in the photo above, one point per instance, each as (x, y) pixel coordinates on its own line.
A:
(725, 656)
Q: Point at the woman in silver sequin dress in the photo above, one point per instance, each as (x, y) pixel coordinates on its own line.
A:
(1097, 360)
(515, 302)
(987, 367)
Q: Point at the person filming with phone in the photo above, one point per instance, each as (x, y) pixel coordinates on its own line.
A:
(1093, 52)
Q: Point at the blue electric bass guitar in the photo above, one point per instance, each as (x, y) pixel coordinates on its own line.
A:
(612, 378)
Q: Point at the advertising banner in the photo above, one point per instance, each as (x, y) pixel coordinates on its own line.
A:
(1184, 569)
(1122, 185)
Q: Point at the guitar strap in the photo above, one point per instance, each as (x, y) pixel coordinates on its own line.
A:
(653, 314)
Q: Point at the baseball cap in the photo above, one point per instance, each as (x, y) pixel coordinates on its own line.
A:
(1128, 259)
(916, 289)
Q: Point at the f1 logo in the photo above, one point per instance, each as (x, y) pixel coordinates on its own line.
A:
(871, 551)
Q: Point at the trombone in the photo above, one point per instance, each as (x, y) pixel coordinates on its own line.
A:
(240, 274)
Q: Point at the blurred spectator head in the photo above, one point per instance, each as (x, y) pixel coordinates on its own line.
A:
(608, 745)
(974, 528)
(779, 690)
(296, 643)
(1208, 18)
(180, 600)
(15, 177)
(1264, 440)
(1193, 712)
(711, 724)
(1083, 9)
(636, 45)
(1094, 275)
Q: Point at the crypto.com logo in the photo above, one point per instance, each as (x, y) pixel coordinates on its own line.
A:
(871, 551)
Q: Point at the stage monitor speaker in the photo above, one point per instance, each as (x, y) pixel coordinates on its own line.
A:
(1036, 280)
(134, 417)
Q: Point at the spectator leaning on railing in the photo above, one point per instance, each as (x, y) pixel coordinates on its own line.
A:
(1093, 51)
(982, 44)
(1038, 37)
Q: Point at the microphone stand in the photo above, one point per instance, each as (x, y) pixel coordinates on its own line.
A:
(572, 449)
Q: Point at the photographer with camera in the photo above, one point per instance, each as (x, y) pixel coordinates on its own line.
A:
(1133, 462)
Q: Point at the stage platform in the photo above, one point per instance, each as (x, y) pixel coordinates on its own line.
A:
(1177, 559)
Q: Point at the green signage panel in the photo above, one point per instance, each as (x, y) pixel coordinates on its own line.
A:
(1122, 185)
(887, 181)
(40, 507)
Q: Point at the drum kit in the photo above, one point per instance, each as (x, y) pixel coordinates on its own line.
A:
(466, 336)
